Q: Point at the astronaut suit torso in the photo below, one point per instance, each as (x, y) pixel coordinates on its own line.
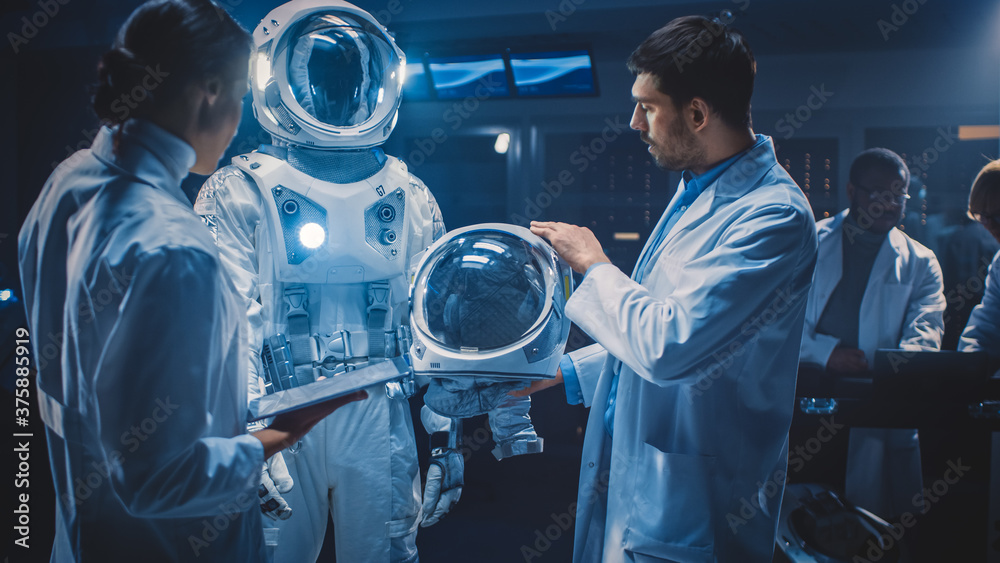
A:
(360, 463)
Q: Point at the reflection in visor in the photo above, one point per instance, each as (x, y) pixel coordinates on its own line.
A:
(484, 292)
(337, 69)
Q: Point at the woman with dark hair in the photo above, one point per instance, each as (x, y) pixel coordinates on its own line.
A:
(146, 411)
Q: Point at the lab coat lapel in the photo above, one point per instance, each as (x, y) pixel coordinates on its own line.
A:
(699, 208)
(887, 259)
(648, 249)
(883, 278)
(830, 262)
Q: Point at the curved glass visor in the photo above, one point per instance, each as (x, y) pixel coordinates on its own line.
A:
(340, 69)
(483, 291)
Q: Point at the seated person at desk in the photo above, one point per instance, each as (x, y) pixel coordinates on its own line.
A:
(983, 329)
(965, 255)
(874, 287)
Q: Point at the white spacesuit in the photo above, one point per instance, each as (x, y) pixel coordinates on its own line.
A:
(318, 232)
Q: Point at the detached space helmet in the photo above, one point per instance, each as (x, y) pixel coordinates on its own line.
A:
(487, 301)
(326, 74)
(817, 526)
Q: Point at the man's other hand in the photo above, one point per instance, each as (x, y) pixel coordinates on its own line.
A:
(576, 245)
(844, 359)
(539, 385)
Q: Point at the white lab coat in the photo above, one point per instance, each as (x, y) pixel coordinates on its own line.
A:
(903, 304)
(982, 332)
(146, 410)
(903, 307)
(360, 463)
(709, 343)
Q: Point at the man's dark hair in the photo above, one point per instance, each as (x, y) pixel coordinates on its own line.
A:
(694, 56)
(871, 159)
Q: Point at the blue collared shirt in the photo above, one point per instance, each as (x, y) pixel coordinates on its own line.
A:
(693, 187)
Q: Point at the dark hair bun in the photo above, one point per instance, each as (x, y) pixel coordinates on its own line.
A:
(119, 93)
(163, 46)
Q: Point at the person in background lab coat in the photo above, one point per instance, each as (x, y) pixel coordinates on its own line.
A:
(875, 287)
(965, 255)
(692, 378)
(145, 414)
(982, 332)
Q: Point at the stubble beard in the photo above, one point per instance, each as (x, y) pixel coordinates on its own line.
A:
(685, 154)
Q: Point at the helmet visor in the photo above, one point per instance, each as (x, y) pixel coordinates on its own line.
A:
(340, 68)
(485, 291)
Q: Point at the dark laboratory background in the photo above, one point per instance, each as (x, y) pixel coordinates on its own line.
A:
(921, 77)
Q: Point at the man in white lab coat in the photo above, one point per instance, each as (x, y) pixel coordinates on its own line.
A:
(874, 288)
(692, 379)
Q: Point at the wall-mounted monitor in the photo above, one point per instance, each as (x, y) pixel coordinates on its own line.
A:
(417, 86)
(553, 73)
(477, 75)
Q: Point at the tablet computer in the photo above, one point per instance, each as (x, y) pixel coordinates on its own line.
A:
(392, 369)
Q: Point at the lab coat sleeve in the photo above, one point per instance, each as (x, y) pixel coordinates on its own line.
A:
(923, 326)
(816, 347)
(982, 332)
(582, 370)
(230, 204)
(716, 300)
(154, 388)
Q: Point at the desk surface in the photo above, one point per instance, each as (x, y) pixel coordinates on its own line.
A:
(895, 400)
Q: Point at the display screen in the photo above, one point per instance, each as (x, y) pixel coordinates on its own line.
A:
(553, 73)
(417, 85)
(479, 76)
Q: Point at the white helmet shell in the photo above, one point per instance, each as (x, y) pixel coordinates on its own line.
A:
(325, 74)
(488, 301)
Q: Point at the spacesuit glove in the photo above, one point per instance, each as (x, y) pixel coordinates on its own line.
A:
(445, 478)
(512, 429)
(274, 480)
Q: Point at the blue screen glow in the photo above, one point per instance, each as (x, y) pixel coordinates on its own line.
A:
(417, 86)
(478, 76)
(557, 73)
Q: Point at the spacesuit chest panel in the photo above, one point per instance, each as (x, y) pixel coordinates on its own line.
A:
(332, 233)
